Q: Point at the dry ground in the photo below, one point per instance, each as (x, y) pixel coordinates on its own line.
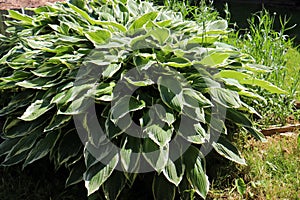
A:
(13, 4)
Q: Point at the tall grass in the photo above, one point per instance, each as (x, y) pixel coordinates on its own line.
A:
(271, 48)
(199, 10)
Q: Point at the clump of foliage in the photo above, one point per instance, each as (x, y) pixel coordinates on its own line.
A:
(269, 47)
(70, 58)
(200, 11)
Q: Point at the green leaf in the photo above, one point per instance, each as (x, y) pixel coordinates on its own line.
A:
(178, 62)
(195, 99)
(58, 121)
(7, 145)
(18, 128)
(240, 186)
(42, 148)
(37, 44)
(139, 83)
(192, 131)
(97, 37)
(264, 84)
(160, 112)
(194, 113)
(160, 34)
(228, 150)
(69, 146)
(19, 100)
(242, 120)
(21, 149)
(158, 135)
(37, 83)
(114, 185)
(247, 79)
(76, 174)
(195, 172)
(162, 189)
(128, 155)
(217, 25)
(103, 174)
(103, 89)
(96, 22)
(76, 107)
(111, 70)
(156, 156)
(215, 59)
(141, 21)
(185, 190)
(258, 135)
(238, 118)
(47, 71)
(225, 97)
(114, 130)
(174, 171)
(124, 105)
(15, 159)
(36, 109)
(24, 18)
(171, 92)
(65, 97)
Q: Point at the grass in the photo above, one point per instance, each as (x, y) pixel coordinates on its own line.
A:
(272, 170)
(275, 50)
(274, 167)
(292, 83)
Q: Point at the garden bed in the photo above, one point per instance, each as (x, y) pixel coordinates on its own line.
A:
(14, 4)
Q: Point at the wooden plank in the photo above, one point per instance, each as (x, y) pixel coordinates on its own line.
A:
(274, 130)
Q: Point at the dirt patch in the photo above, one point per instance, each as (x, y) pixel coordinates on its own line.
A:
(16, 4)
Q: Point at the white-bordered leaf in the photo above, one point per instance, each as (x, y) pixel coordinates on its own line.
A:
(142, 20)
(124, 105)
(57, 121)
(195, 173)
(225, 97)
(36, 109)
(42, 148)
(156, 156)
(102, 175)
(158, 135)
(228, 150)
(174, 171)
(69, 146)
(171, 92)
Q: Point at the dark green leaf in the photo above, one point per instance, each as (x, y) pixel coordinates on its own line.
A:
(113, 186)
(163, 189)
(42, 148)
(69, 146)
(195, 172)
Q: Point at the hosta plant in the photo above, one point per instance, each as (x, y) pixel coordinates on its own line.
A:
(114, 89)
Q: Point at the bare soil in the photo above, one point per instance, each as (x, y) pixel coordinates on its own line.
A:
(17, 4)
